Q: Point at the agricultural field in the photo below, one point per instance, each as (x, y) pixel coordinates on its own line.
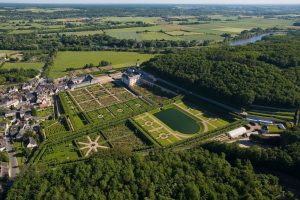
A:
(205, 30)
(147, 20)
(179, 121)
(72, 59)
(22, 65)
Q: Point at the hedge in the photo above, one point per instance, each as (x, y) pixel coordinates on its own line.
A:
(143, 134)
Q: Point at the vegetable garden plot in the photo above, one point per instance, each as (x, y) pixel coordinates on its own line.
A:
(89, 105)
(83, 98)
(128, 142)
(100, 93)
(102, 114)
(122, 137)
(124, 96)
(108, 100)
(79, 92)
(120, 110)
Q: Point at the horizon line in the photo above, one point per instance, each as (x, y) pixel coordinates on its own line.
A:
(59, 3)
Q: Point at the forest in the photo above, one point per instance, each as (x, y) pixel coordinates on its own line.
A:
(267, 72)
(189, 175)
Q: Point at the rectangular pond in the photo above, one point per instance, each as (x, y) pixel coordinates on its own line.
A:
(178, 121)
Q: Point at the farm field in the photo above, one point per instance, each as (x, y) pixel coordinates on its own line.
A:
(206, 30)
(179, 121)
(78, 59)
(148, 20)
(22, 65)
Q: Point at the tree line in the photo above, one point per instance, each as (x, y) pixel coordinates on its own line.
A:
(63, 42)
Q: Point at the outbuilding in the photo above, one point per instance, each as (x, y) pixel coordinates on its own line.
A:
(237, 132)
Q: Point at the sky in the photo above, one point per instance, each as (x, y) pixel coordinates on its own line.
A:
(157, 1)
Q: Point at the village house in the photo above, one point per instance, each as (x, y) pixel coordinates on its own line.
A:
(13, 89)
(10, 113)
(81, 81)
(4, 169)
(4, 126)
(131, 77)
(32, 143)
(2, 143)
(13, 102)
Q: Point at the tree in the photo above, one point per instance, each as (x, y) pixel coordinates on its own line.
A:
(104, 63)
(192, 192)
(33, 111)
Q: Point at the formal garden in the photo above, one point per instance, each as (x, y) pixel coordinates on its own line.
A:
(113, 117)
(98, 96)
(179, 121)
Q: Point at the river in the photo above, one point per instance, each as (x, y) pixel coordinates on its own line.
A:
(248, 40)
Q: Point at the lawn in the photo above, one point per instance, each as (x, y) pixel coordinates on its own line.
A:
(23, 65)
(77, 59)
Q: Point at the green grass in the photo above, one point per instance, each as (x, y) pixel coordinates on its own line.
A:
(79, 59)
(61, 152)
(37, 66)
(3, 53)
(274, 129)
(45, 112)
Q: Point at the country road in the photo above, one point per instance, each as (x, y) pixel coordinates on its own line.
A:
(13, 163)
